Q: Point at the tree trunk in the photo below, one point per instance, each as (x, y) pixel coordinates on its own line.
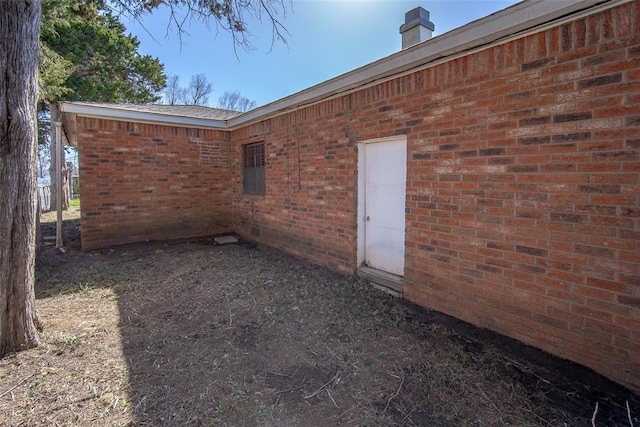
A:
(66, 197)
(19, 34)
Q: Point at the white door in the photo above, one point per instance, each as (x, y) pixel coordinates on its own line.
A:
(385, 171)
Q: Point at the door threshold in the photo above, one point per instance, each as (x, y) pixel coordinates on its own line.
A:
(387, 282)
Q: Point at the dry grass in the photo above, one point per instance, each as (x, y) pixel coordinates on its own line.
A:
(195, 334)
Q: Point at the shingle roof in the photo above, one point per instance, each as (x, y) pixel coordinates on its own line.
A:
(194, 111)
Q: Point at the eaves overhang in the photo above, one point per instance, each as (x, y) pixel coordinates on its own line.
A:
(513, 22)
(502, 26)
(70, 110)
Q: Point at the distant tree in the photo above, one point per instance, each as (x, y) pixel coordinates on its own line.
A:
(198, 91)
(173, 93)
(235, 102)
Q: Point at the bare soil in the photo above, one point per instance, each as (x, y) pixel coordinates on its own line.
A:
(193, 333)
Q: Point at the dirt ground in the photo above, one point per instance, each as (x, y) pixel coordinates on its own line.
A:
(193, 333)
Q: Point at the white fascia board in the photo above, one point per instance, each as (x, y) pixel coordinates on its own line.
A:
(115, 113)
(506, 23)
(69, 129)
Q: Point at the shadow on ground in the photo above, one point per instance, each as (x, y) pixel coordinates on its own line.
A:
(192, 333)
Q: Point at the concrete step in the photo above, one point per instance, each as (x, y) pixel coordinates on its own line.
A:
(390, 282)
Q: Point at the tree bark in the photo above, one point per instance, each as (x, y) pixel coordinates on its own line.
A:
(19, 34)
(66, 196)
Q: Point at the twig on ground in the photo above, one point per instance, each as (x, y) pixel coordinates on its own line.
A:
(486, 398)
(18, 384)
(70, 404)
(279, 393)
(406, 417)
(346, 412)
(135, 409)
(331, 397)
(629, 414)
(290, 389)
(331, 351)
(278, 374)
(358, 404)
(537, 416)
(593, 418)
(394, 395)
(322, 388)
(393, 375)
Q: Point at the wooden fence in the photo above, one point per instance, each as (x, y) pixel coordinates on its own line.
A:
(44, 197)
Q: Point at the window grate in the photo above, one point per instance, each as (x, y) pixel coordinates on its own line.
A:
(254, 169)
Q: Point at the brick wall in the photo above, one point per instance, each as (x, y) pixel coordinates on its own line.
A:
(523, 186)
(310, 203)
(524, 191)
(147, 182)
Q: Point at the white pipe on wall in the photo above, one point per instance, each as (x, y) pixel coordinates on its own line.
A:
(58, 143)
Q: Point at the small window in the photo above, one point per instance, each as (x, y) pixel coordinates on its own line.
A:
(253, 160)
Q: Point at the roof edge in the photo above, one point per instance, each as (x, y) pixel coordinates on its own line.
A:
(102, 111)
(516, 19)
(502, 26)
(70, 110)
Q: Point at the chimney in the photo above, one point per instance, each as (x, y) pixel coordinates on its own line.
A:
(416, 28)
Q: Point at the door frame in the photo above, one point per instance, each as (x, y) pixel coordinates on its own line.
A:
(360, 222)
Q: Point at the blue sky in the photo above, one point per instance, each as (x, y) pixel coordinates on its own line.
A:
(326, 38)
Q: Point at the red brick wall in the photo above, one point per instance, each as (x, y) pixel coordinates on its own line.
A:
(523, 189)
(523, 186)
(147, 182)
(310, 203)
